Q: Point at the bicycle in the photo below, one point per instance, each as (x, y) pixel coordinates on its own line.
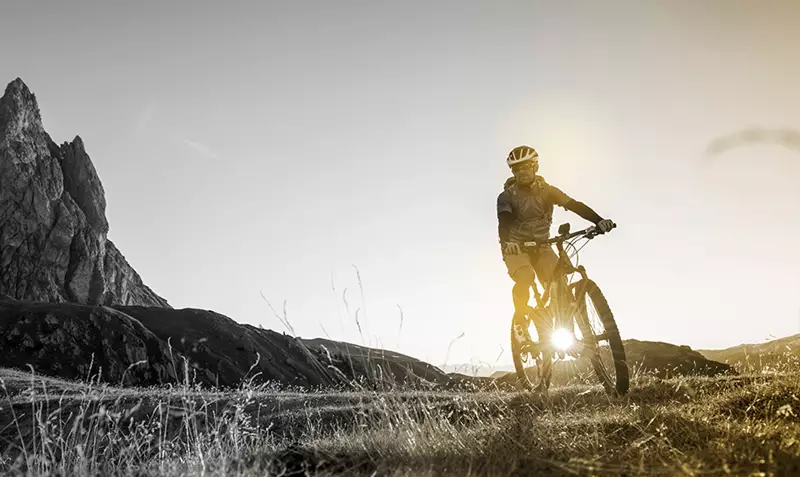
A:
(563, 304)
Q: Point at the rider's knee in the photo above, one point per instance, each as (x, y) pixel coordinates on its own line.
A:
(524, 276)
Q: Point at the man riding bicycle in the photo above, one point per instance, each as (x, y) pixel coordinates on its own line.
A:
(525, 213)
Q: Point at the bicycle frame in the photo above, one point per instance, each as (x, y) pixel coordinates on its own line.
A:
(564, 266)
(558, 307)
(557, 300)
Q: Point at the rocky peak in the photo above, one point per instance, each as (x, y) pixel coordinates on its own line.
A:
(53, 227)
(19, 111)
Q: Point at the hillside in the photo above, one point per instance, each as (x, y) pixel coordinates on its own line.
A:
(755, 357)
(145, 346)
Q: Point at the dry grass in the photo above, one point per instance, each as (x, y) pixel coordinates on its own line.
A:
(744, 425)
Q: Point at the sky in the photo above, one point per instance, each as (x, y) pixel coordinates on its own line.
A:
(344, 158)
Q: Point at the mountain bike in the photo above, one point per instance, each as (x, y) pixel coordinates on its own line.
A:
(570, 298)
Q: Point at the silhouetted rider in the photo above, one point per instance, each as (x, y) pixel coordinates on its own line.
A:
(525, 213)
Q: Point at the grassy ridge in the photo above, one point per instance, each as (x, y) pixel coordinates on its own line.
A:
(744, 425)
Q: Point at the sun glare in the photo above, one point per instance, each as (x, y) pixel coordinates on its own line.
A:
(562, 339)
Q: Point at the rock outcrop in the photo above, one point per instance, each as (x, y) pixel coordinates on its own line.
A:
(53, 228)
(669, 360)
(82, 342)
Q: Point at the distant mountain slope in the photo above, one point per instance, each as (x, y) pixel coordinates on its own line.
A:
(757, 356)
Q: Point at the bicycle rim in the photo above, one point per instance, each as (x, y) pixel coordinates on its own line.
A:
(601, 337)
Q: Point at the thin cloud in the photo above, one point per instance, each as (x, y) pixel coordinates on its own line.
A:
(788, 138)
(201, 148)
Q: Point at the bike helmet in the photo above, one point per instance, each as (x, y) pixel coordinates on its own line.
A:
(522, 154)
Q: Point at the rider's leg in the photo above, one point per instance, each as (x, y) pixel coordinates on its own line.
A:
(521, 271)
(544, 261)
(521, 294)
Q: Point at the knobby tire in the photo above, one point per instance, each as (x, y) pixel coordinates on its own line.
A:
(619, 383)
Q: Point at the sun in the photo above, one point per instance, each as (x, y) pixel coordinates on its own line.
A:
(562, 339)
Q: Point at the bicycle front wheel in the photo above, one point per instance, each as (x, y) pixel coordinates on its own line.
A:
(601, 338)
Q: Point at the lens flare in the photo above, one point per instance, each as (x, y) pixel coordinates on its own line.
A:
(562, 339)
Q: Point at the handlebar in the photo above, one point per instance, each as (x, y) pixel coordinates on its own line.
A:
(589, 233)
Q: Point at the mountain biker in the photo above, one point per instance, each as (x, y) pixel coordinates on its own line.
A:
(525, 213)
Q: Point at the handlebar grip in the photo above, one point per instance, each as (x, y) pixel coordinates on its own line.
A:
(613, 226)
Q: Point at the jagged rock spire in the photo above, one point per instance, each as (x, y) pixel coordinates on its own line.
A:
(19, 110)
(53, 227)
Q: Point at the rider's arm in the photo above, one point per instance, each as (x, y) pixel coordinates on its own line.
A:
(505, 217)
(584, 211)
(504, 222)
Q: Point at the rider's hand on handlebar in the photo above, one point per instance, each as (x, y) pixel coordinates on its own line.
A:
(511, 248)
(605, 225)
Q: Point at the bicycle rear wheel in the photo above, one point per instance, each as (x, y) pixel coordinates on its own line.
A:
(532, 361)
(601, 338)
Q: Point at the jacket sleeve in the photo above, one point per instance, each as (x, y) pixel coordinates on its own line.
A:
(584, 211)
(505, 217)
(558, 197)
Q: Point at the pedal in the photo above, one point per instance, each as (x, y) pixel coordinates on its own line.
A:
(521, 335)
